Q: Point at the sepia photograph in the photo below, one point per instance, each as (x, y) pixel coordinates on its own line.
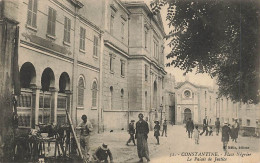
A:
(127, 81)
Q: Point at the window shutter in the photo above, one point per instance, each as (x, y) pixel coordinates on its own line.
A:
(69, 26)
(49, 21)
(54, 22)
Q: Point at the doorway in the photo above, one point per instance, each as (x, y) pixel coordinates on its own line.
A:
(187, 115)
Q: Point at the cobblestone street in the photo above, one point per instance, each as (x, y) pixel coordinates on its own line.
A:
(178, 146)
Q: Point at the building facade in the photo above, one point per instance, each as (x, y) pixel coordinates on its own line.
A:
(132, 73)
(195, 102)
(59, 52)
(100, 58)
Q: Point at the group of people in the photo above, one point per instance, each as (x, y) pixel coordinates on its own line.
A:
(102, 153)
(140, 133)
(227, 130)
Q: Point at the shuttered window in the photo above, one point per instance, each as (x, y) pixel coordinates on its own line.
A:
(82, 38)
(94, 94)
(95, 46)
(51, 21)
(67, 26)
(32, 13)
(81, 92)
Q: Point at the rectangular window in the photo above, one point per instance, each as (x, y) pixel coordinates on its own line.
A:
(112, 24)
(248, 122)
(67, 26)
(51, 21)
(32, 13)
(122, 30)
(111, 64)
(95, 46)
(82, 38)
(146, 72)
(145, 38)
(122, 68)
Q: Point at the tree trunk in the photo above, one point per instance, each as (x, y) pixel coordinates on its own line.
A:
(7, 36)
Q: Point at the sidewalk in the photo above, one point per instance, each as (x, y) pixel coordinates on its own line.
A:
(117, 143)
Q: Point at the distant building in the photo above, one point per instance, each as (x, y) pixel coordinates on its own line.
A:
(195, 102)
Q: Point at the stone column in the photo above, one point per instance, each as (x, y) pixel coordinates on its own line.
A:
(35, 105)
(54, 102)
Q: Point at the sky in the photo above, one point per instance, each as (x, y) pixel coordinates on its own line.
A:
(199, 79)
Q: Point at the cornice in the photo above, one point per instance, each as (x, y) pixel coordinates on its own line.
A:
(46, 50)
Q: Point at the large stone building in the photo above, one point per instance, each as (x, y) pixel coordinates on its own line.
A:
(133, 66)
(100, 58)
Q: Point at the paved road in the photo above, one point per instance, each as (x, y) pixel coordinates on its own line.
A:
(179, 146)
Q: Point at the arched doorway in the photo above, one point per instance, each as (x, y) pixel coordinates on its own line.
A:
(63, 98)
(27, 75)
(25, 110)
(187, 114)
(47, 79)
(46, 112)
(64, 82)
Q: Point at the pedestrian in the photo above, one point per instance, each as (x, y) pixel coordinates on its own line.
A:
(232, 133)
(210, 131)
(217, 125)
(141, 135)
(189, 127)
(102, 153)
(205, 126)
(157, 131)
(236, 129)
(164, 128)
(225, 135)
(131, 131)
(196, 134)
(85, 128)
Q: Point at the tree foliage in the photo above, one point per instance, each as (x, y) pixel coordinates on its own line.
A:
(219, 37)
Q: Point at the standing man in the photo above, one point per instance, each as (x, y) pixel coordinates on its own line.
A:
(225, 135)
(85, 128)
(141, 135)
(205, 126)
(131, 131)
(189, 127)
(217, 125)
(164, 128)
(236, 129)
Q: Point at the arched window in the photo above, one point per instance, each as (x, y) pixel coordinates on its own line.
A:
(122, 99)
(94, 94)
(81, 92)
(111, 98)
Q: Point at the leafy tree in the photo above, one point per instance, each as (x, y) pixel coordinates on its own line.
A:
(219, 37)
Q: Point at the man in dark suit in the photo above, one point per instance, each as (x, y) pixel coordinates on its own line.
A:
(217, 125)
(141, 135)
(205, 126)
(225, 135)
(190, 127)
(131, 131)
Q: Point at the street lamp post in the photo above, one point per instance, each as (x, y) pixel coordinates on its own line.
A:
(161, 108)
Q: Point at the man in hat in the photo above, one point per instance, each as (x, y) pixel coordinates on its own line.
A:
(225, 135)
(205, 126)
(131, 131)
(141, 135)
(102, 153)
(236, 129)
(164, 128)
(217, 125)
(85, 128)
(190, 127)
(157, 131)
